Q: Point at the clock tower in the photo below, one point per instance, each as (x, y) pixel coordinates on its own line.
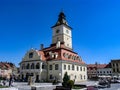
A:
(62, 32)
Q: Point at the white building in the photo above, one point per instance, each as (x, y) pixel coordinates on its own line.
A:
(104, 72)
(52, 62)
(99, 70)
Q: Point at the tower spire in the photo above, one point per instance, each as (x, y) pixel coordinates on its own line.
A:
(61, 20)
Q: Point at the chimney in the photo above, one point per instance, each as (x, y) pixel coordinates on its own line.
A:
(41, 46)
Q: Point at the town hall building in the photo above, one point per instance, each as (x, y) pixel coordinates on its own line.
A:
(52, 62)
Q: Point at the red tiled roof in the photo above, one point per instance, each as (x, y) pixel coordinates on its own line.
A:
(4, 65)
(42, 55)
(60, 51)
(98, 65)
(7, 65)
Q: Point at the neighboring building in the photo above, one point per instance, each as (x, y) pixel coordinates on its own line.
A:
(91, 71)
(98, 70)
(115, 67)
(7, 69)
(52, 62)
(104, 70)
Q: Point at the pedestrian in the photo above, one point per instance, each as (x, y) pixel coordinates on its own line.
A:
(4, 82)
(10, 81)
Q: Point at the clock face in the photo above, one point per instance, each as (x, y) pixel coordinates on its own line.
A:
(57, 31)
(67, 31)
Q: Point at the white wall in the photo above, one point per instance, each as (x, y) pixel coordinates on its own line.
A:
(72, 73)
(104, 71)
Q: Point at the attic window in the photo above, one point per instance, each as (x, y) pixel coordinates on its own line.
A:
(31, 55)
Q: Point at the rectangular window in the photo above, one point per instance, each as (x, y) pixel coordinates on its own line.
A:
(43, 66)
(116, 64)
(51, 77)
(80, 68)
(68, 67)
(75, 76)
(72, 67)
(31, 55)
(81, 76)
(56, 67)
(84, 76)
(113, 65)
(117, 70)
(64, 67)
(77, 68)
(84, 68)
(50, 67)
(113, 70)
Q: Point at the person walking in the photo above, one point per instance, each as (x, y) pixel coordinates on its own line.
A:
(10, 81)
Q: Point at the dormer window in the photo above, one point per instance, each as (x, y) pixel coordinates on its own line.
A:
(31, 55)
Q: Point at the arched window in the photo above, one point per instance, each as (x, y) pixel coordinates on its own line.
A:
(77, 58)
(64, 54)
(23, 66)
(28, 66)
(37, 66)
(32, 66)
(73, 57)
(69, 57)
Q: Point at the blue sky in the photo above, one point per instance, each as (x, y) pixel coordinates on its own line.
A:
(25, 24)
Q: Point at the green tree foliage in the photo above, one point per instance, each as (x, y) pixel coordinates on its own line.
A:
(66, 78)
(70, 83)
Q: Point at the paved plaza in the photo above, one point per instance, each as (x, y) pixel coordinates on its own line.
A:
(49, 86)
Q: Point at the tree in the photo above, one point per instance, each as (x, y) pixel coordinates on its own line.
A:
(66, 78)
(70, 83)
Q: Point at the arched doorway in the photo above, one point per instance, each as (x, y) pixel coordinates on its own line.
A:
(27, 76)
(37, 78)
(22, 77)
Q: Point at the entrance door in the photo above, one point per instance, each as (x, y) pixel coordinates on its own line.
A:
(37, 78)
(27, 76)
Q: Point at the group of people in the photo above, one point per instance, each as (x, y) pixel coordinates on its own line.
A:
(105, 82)
(10, 80)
